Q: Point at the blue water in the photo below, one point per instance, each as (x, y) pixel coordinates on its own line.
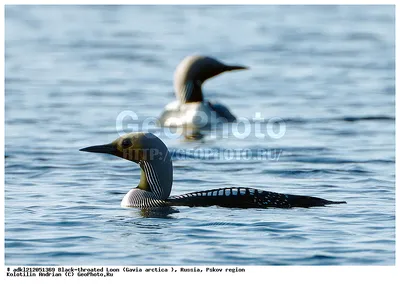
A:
(328, 71)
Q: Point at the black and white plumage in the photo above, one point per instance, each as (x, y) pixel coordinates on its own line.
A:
(190, 108)
(245, 197)
(155, 183)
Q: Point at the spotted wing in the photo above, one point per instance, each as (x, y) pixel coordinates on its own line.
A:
(243, 197)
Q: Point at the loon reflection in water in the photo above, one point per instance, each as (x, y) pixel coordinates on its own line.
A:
(155, 184)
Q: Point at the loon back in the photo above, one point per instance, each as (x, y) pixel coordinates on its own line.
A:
(195, 115)
(155, 183)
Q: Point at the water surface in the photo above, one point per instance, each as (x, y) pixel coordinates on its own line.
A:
(328, 71)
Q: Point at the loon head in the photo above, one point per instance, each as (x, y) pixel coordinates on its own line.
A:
(191, 74)
(136, 147)
(149, 152)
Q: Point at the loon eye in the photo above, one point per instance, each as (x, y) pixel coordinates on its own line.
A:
(126, 143)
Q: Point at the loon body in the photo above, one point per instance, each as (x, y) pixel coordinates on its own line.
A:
(155, 184)
(191, 109)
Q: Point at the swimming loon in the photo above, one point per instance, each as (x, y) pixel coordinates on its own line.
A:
(155, 184)
(191, 109)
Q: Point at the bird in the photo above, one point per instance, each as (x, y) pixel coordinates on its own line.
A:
(191, 109)
(154, 188)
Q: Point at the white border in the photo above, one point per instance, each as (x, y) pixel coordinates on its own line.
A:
(269, 274)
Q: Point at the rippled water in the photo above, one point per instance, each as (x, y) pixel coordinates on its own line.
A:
(328, 71)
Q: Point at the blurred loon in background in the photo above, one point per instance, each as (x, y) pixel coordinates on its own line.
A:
(191, 109)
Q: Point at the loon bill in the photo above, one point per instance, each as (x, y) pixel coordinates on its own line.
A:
(155, 184)
(191, 109)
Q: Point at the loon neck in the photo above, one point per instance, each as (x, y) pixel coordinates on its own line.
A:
(189, 92)
(156, 177)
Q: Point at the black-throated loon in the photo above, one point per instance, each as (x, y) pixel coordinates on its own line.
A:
(191, 109)
(155, 184)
